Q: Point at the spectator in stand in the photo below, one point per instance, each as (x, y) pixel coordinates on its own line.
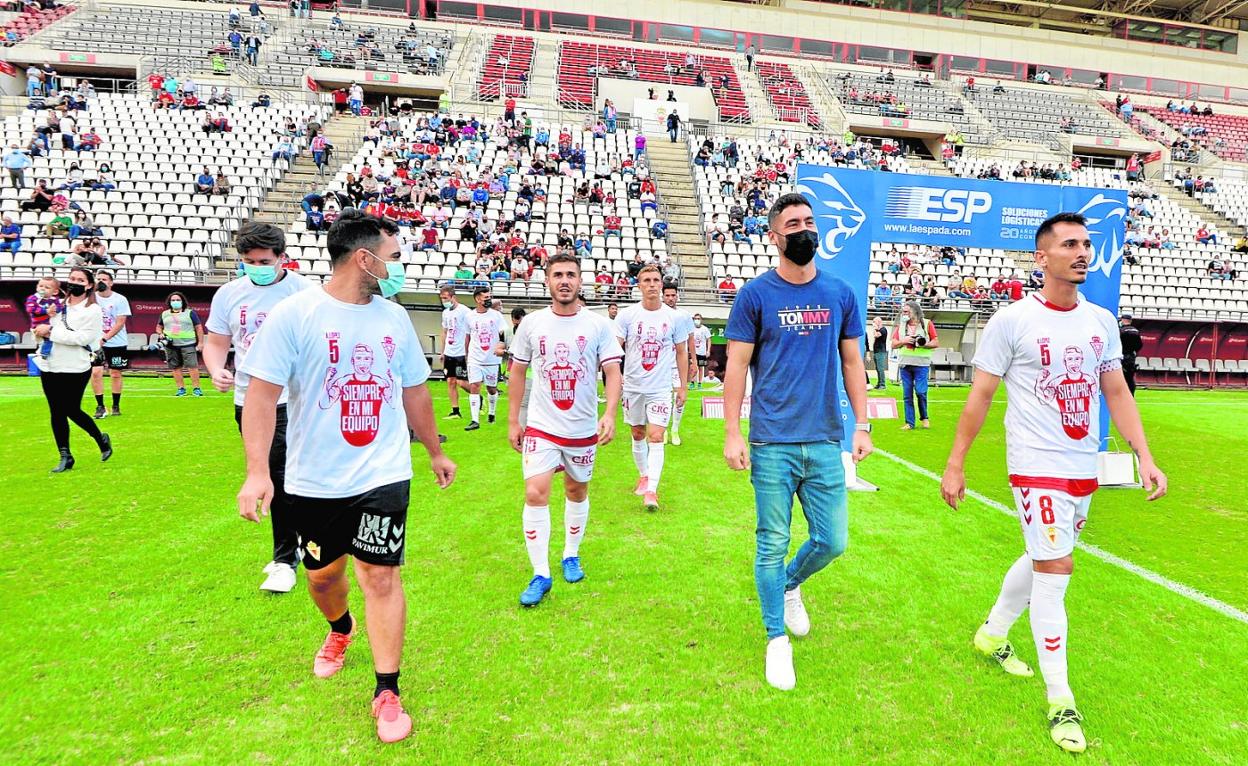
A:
(673, 125)
(262, 101)
(356, 99)
(320, 148)
(59, 225)
(84, 226)
(204, 182)
(16, 161)
(1205, 237)
(285, 150)
(40, 199)
(10, 235)
(727, 290)
(639, 146)
(623, 286)
(1000, 289)
(611, 225)
(183, 334)
(221, 184)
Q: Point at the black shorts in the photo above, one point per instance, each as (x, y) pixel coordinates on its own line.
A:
(456, 367)
(116, 358)
(369, 526)
(701, 359)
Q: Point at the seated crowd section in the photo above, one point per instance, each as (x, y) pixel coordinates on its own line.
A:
(156, 191)
(370, 47)
(491, 202)
(907, 95)
(32, 18)
(170, 33)
(505, 71)
(582, 63)
(1226, 135)
(1038, 115)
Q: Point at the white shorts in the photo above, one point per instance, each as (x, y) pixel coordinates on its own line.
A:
(487, 374)
(654, 409)
(544, 453)
(1051, 520)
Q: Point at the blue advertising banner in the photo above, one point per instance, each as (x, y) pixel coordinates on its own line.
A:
(854, 208)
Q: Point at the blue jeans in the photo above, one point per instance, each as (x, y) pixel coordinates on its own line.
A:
(814, 472)
(914, 385)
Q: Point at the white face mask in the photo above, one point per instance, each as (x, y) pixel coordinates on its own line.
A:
(697, 323)
(447, 304)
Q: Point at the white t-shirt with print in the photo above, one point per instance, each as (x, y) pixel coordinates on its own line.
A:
(455, 322)
(565, 353)
(114, 308)
(1051, 360)
(701, 340)
(484, 329)
(650, 339)
(345, 366)
(238, 310)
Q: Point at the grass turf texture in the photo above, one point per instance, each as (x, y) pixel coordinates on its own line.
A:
(135, 633)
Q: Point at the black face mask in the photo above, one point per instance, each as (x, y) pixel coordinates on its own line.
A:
(101, 287)
(76, 290)
(800, 246)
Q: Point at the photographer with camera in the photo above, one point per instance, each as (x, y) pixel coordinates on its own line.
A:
(914, 338)
(182, 335)
(75, 333)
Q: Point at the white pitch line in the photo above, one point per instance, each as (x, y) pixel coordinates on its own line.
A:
(1186, 591)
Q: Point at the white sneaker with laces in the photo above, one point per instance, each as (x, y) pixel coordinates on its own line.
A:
(675, 438)
(795, 617)
(780, 664)
(281, 578)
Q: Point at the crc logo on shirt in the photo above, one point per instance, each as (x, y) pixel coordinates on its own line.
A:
(928, 203)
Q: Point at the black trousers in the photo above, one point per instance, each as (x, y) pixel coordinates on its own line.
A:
(281, 512)
(1128, 372)
(63, 390)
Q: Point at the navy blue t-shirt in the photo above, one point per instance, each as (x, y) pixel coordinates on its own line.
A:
(795, 330)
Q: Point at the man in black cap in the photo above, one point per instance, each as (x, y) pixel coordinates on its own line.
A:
(1131, 345)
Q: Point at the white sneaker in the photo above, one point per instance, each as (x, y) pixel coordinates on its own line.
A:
(675, 438)
(795, 617)
(281, 578)
(780, 664)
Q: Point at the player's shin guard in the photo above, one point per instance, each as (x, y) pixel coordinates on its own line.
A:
(474, 406)
(493, 405)
(1015, 593)
(1048, 628)
(575, 515)
(654, 466)
(639, 455)
(537, 537)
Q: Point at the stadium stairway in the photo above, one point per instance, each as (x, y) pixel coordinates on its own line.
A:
(672, 170)
(281, 205)
(832, 115)
(986, 128)
(929, 167)
(755, 97)
(1194, 206)
(543, 72)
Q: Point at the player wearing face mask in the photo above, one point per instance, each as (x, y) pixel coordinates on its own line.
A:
(455, 331)
(238, 310)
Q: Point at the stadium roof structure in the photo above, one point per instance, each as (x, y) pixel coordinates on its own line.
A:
(1103, 16)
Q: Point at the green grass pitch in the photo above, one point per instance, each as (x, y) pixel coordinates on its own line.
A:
(134, 631)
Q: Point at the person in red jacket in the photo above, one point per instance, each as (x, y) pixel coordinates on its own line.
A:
(509, 110)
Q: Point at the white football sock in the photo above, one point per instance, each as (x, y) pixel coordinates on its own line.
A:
(474, 406)
(537, 537)
(1048, 628)
(574, 517)
(654, 466)
(639, 455)
(1015, 593)
(676, 416)
(493, 404)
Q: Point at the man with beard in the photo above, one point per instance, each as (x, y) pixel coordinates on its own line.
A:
(795, 329)
(565, 344)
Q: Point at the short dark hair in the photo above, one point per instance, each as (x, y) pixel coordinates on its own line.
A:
(355, 229)
(103, 272)
(447, 288)
(1046, 228)
(785, 201)
(670, 285)
(562, 258)
(517, 313)
(613, 303)
(481, 290)
(259, 235)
